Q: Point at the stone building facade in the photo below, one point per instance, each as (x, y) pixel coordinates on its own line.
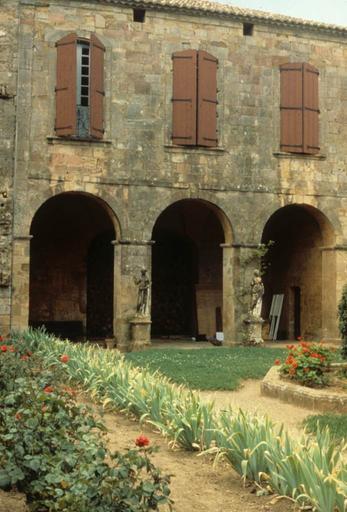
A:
(81, 215)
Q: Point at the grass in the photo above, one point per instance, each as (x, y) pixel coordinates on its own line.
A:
(337, 424)
(207, 369)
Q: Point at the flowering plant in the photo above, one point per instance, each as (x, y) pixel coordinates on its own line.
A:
(142, 441)
(307, 364)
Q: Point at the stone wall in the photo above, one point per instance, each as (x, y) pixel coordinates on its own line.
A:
(8, 83)
(137, 171)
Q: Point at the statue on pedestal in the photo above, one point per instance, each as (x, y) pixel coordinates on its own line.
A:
(257, 292)
(254, 322)
(143, 284)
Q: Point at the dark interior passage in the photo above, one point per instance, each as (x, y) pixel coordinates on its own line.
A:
(294, 269)
(187, 271)
(71, 267)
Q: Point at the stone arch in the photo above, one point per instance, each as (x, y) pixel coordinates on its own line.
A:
(188, 271)
(217, 210)
(105, 201)
(72, 266)
(301, 266)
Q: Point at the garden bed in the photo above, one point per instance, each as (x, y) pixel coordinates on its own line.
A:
(329, 399)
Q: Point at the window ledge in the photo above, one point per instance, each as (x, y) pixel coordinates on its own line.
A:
(75, 141)
(193, 149)
(304, 156)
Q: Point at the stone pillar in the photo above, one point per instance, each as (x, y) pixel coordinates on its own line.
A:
(228, 295)
(130, 257)
(246, 260)
(20, 282)
(334, 277)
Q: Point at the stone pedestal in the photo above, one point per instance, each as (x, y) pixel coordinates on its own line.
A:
(253, 331)
(110, 343)
(140, 332)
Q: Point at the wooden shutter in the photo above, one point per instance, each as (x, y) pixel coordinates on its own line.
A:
(311, 109)
(184, 97)
(291, 108)
(97, 92)
(207, 100)
(299, 108)
(65, 91)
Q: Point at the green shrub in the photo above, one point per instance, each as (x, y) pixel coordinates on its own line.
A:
(52, 449)
(342, 314)
(307, 364)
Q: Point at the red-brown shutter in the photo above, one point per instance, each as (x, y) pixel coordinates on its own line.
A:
(292, 134)
(207, 100)
(299, 108)
(184, 97)
(65, 120)
(311, 109)
(97, 92)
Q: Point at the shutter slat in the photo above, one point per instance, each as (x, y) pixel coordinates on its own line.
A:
(184, 97)
(207, 100)
(291, 108)
(65, 91)
(311, 109)
(97, 93)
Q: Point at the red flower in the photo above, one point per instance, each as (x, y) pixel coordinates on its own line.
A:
(18, 416)
(11, 348)
(64, 358)
(142, 441)
(277, 362)
(290, 347)
(24, 358)
(3, 348)
(48, 389)
(1, 339)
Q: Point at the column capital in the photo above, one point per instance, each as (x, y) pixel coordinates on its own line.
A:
(241, 245)
(132, 242)
(23, 238)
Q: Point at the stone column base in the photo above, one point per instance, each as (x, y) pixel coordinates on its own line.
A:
(140, 332)
(253, 331)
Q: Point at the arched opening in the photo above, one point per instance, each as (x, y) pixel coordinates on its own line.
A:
(72, 267)
(301, 267)
(187, 271)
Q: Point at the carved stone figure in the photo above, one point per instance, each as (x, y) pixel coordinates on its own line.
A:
(143, 284)
(257, 292)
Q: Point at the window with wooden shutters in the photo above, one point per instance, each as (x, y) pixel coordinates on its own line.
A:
(194, 116)
(80, 87)
(299, 108)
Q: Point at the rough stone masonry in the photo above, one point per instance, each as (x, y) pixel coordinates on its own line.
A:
(79, 217)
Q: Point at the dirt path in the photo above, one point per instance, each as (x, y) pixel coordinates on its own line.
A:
(195, 485)
(248, 397)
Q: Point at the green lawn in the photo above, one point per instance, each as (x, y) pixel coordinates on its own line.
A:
(212, 368)
(337, 424)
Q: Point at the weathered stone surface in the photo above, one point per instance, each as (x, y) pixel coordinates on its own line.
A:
(316, 399)
(137, 173)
